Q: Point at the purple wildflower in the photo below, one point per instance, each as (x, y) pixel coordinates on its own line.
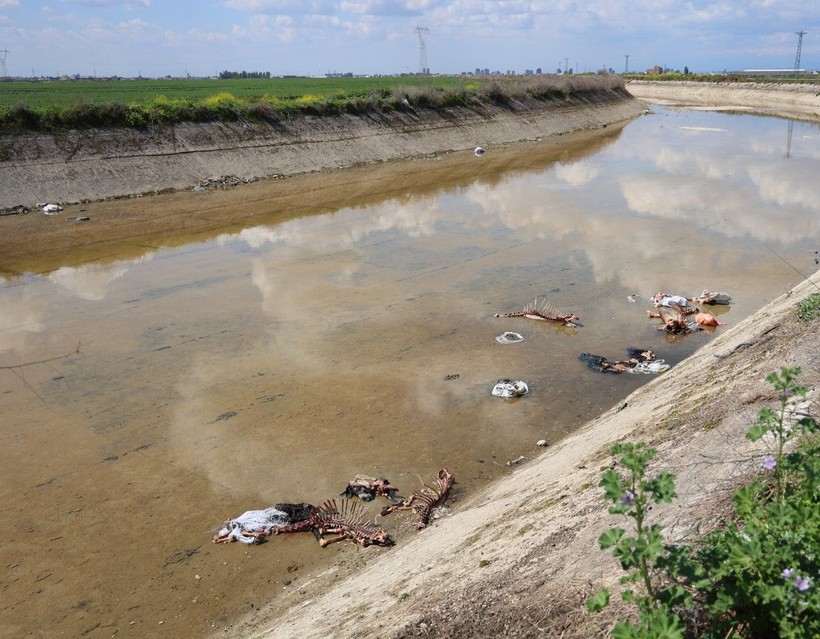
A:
(787, 393)
(801, 583)
(769, 462)
(628, 498)
(788, 572)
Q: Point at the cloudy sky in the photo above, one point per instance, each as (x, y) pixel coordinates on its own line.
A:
(314, 37)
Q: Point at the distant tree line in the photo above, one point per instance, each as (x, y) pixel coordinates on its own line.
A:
(243, 75)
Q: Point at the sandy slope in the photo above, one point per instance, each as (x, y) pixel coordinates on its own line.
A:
(793, 100)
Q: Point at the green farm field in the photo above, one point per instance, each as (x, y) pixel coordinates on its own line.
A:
(51, 106)
(65, 93)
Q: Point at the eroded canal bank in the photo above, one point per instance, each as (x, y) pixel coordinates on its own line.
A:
(88, 165)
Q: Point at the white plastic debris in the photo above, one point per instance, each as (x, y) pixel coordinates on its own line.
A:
(51, 209)
(509, 338)
(508, 388)
(254, 521)
(479, 150)
(655, 366)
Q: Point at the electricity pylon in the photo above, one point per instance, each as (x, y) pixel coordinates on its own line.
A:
(422, 32)
(800, 35)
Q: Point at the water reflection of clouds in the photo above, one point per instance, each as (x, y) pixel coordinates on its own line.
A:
(682, 174)
(554, 217)
(91, 281)
(22, 315)
(415, 219)
(788, 184)
(577, 173)
(737, 182)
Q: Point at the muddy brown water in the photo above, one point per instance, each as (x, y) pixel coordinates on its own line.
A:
(153, 388)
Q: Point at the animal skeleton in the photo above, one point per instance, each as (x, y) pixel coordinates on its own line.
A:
(545, 312)
(347, 522)
(424, 500)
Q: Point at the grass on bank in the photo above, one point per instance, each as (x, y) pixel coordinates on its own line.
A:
(725, 78)
(55, 106)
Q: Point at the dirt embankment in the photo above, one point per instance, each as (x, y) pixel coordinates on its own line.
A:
(89, 165)
(801, 101)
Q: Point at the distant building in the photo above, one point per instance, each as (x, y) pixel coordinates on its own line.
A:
(771, 72)
(656, 70)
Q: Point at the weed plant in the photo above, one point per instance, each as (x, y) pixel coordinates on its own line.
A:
(809, 308)
(756, 577)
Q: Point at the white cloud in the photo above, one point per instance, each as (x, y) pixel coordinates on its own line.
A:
(125, 4)
(282, 6)
(378, 36)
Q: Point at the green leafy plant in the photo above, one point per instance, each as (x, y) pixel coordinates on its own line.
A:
(758, 570)
(753, 578)
(641, 552)
(780, 428)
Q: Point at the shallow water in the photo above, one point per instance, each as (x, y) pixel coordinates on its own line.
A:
(148, 397)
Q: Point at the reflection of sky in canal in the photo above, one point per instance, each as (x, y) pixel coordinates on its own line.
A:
(721, 186)
(723, 180)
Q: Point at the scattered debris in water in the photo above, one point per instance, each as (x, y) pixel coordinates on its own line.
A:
(15, 210)
(50, 209)
(508, 388)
